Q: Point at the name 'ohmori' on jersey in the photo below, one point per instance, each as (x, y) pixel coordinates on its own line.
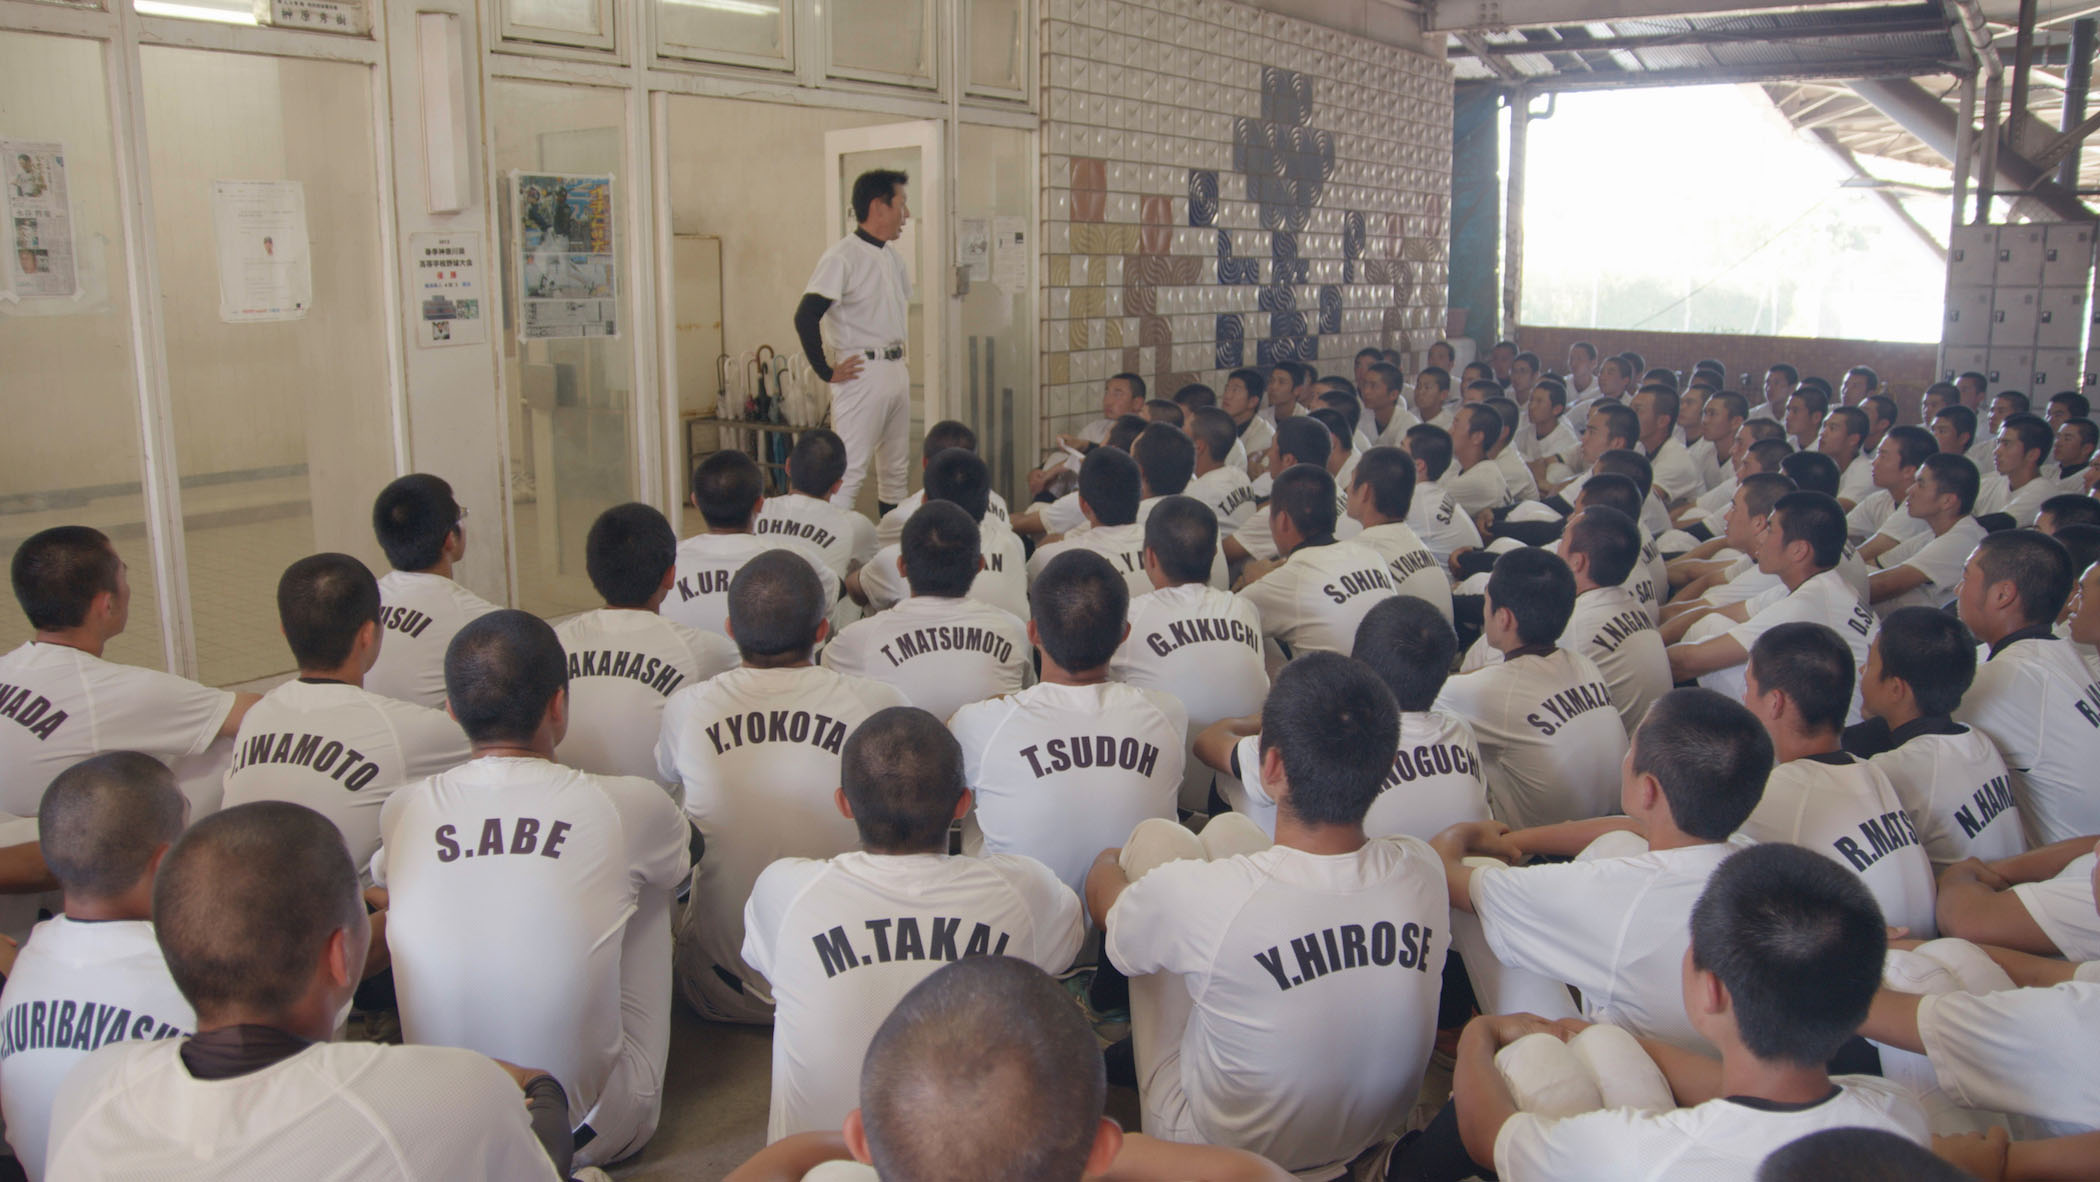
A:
(1085, 751)
(778, 726)
(650, 671)
(943, 638)
(901, 939)
(795, 529)
(1180, 632)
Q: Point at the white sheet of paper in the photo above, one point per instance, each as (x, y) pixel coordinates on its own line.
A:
(451, 300)
(1010, 252)
(265, 268)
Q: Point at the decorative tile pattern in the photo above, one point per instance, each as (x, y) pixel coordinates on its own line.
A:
(1200, 197)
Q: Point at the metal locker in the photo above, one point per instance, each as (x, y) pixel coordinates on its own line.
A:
(2055, 370)
(1972, 256)
(2014, 313)
(2060, 321)
(2010, 369)
(1968, 316)
(2067, 254)
(1965, 360)
(2019, 256)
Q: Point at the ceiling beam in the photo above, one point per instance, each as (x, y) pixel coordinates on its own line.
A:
(1830, 31)
(1850, 68)
(1509, 14)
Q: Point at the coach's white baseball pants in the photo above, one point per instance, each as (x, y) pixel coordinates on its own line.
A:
(1159, 1002)
(632, 1100)
(872, 413)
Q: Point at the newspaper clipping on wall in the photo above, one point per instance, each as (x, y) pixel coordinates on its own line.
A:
(41, 266)
(567, 273)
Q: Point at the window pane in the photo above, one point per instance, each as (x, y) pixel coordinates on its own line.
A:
(883, 36)
(734, 30)
(282, 427)
(231, 12)
(73, 458)
(571, 400)
(996, 44)
(583, 18)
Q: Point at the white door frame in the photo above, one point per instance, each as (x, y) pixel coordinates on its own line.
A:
(929, 197)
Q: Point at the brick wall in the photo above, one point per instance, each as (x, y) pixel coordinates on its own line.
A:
(1905, 369)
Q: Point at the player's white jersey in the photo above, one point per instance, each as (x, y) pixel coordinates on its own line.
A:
(1060, 516)
(2021, 504)
(1713, 506)
(1650, 580)
(1610, 628)
(1314, 983)
(1482, 486)
(1203, 646)
(1845, 808)
(1675, 472)
(758, 753)
(2041, 705)
(1721, 1140)
(1614, 928)
(1062, 772)
(1712, 469)
(837, 537)
(890, 530)
(1880, 513)
(1826, 599)
(528, 907)
(1412, 567)
(699, 599)
(942, 654)
(1316, 599)
(1255, 437)
(65, 705)
(1436, 780)
(421, 614)
(76, 987)
(1437, 519)
(1394, 433)
(1549, 734)
(844, 940)
(2024, 1051)
(1955, 786)
(623, 666)
(1124, 547)
(1257, 535)
(1940, 559)
(2064, 908)
(1003, 582)
(1229, 494)
(334, 1112)
(340, 751)
(1856, 482)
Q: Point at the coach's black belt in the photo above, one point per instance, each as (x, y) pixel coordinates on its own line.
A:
(886, 353)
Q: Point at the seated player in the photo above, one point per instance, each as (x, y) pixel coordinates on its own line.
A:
(1433, 405)
(1434, 514)
(1049, 520)
(1250, 1029)
(1515, 473)
(1382, 391)
(2040, 902)
(991, 1034)
(1476, 482)
(423, 531)
(1117, 492)
(1313, 599)
(1241, 399)
(1217, 481)
(2025, 443)
(1950, 777)
(1122, 396)
(625, 660)
(258, 915)
(1543, 714)
(1296, 442)
(1065, 767)
(1821, 796)
(842, 940)
(2066, 509)
(1617, 928)
(1676, 473)
(940, 648)
(1843, 437)
(1882, 518)
(2034, 696)
(939, 438)
(755, 752)
(1703, 584)
(1382, 499)
(729, 492)
(512, 869)
(1858, 1155)
(68, 703)
(1189, 639)
(1925, 570)
(2076, 441)
(805, 517)
(92, 975)
(322, 739)
(1772, 918)
(1544, 438)
(957, 476)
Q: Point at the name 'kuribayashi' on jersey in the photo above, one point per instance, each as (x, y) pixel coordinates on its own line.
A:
(654, 672)
(30, 711)
(901, 939)
(1349, 946)
(75, 1025)
(346, 765)
(777, 726)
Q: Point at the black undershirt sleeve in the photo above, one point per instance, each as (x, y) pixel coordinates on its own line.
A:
(548, 1106)
(807, 315)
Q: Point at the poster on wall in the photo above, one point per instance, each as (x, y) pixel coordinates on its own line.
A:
(450, 298)
(1010, 253)
(328, 16)
(567, 275)
(973, 248)
(40, 267)
(265, 271)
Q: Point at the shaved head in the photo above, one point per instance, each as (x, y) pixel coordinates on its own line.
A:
(987, 1034)
(776, 603)
(103, 820)
(903, 772)
(501, 673)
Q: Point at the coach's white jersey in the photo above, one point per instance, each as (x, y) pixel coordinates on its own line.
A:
(1414, 570)
(1062, 772)
(2040, 704)
(699, 599)
(1844, 808)
(1721, 1140)
(844, 940)
(1959, 795)
(1203, 646)
(1316, 599)
(340, 751)
(890, 530)
(1479, 487)
(334, 1112)
(1826, 599)
(2065, 909)
(1941, 560)
(528, 906)
(421, 614)
(757, 751)
(1229, 494)
(59, 705)
(838, 538)
(1614, 928)
(2024, 1051)
(1436, 780)
(1550, 735)
(1124, 547)
(942, 654)
(623, 666)
(1437, 519)
(76, 987)
(1003, 582)
(1314, 983)
(1609, 628)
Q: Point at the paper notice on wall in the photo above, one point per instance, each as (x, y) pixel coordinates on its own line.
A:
(1010, 252)
(567, 271)
(41, 265)
(451, 303)
(973, 248)
(265, 270)
(328, 16)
